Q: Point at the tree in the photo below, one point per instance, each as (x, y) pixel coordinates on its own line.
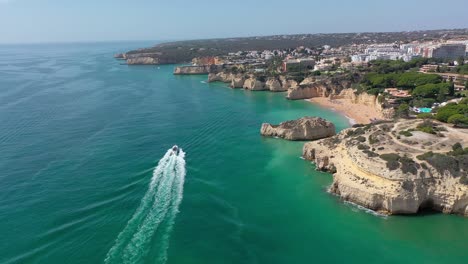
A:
(428, 90)
(451, 88)
(458, 119)
(461, 61)
(445, 112)
(403, 110)
(455, 119)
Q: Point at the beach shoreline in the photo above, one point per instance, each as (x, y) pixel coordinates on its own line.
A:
(355, 113)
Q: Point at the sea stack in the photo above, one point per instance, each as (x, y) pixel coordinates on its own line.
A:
(306, 128)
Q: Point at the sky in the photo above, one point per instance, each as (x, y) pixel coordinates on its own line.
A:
(32, 21)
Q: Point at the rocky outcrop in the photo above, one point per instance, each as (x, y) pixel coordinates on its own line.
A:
(142, 61)
(192, 70)
(365, 99)
(237, 81)
(299, 92)
(274, 85)
(309, 89)
(306, 128)
(254, 85)
(308, 81)
(120, 56)
(287, 84)
(370, 169)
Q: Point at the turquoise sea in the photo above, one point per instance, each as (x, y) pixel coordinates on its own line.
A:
(81, 135)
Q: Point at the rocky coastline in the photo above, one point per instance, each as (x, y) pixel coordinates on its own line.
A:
(369, 169)
(334, 88)
(306, 128)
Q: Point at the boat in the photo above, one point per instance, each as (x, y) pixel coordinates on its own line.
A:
(175, 150)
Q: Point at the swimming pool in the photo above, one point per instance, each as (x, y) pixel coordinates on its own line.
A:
(425, 110)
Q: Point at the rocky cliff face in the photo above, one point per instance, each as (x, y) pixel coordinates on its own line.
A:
(365, 99)
(336, 88)
(370, 169)
(306, 128)
(145, 59)
(309, 88)
(120, 56)
(192, 70)
(254, 85)
(274, 85)
(142, 61)
(237, 81)
(215, 76)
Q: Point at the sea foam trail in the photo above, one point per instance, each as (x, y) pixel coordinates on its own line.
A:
(157, 210)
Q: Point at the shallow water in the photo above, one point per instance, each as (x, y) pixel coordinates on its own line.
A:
(81, 135)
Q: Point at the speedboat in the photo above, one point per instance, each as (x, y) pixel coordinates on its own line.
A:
(175, 149)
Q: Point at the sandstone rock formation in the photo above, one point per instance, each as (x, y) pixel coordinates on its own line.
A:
(287, 83)
(274, 85)
(120, 56)
(142, 61)
(219, 77)
(237, 81)
(254, 85)
(309, 89)
(375, 169)
(308, 81)
(191, 70)
(306, 128)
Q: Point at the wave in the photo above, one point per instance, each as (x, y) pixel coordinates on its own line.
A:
(366, 210)
(155, 215)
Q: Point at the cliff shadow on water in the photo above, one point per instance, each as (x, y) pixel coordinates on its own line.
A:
(147, 233)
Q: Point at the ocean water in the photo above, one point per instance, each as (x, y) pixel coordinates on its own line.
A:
(86, 175)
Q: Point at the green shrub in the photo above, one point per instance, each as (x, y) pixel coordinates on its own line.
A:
(361, 139)
(363, 147)
(405, 133)
(371, 154)
(408, 165)
(393, 165)
(373, 140)
(425, 116)
(390, 157)
(464, 180)
(443, 163)
(402, 110)
(425, 156)
(355, 132)
(445, 112)
(427, 127)
(458, 119)
(428, 130)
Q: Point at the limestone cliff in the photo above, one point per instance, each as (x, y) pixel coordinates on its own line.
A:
(274, 85)
(193, 70)
(142, 61)
(375, 168)
(237, 81)
(224, 77)
(309, 88)
(120, 56)
(254, 85)
(306, 128)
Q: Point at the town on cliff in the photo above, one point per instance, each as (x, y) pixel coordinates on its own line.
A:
(407, 150)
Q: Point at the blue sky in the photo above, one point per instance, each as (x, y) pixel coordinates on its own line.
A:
(23, 21)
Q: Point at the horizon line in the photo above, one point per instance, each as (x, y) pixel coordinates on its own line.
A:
(215, 38)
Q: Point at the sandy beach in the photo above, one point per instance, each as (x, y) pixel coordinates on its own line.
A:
(356, 113)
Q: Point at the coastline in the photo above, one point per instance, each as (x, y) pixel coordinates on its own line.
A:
(355, 113)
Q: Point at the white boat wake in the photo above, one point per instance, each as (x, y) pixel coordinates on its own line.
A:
(155, 216)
